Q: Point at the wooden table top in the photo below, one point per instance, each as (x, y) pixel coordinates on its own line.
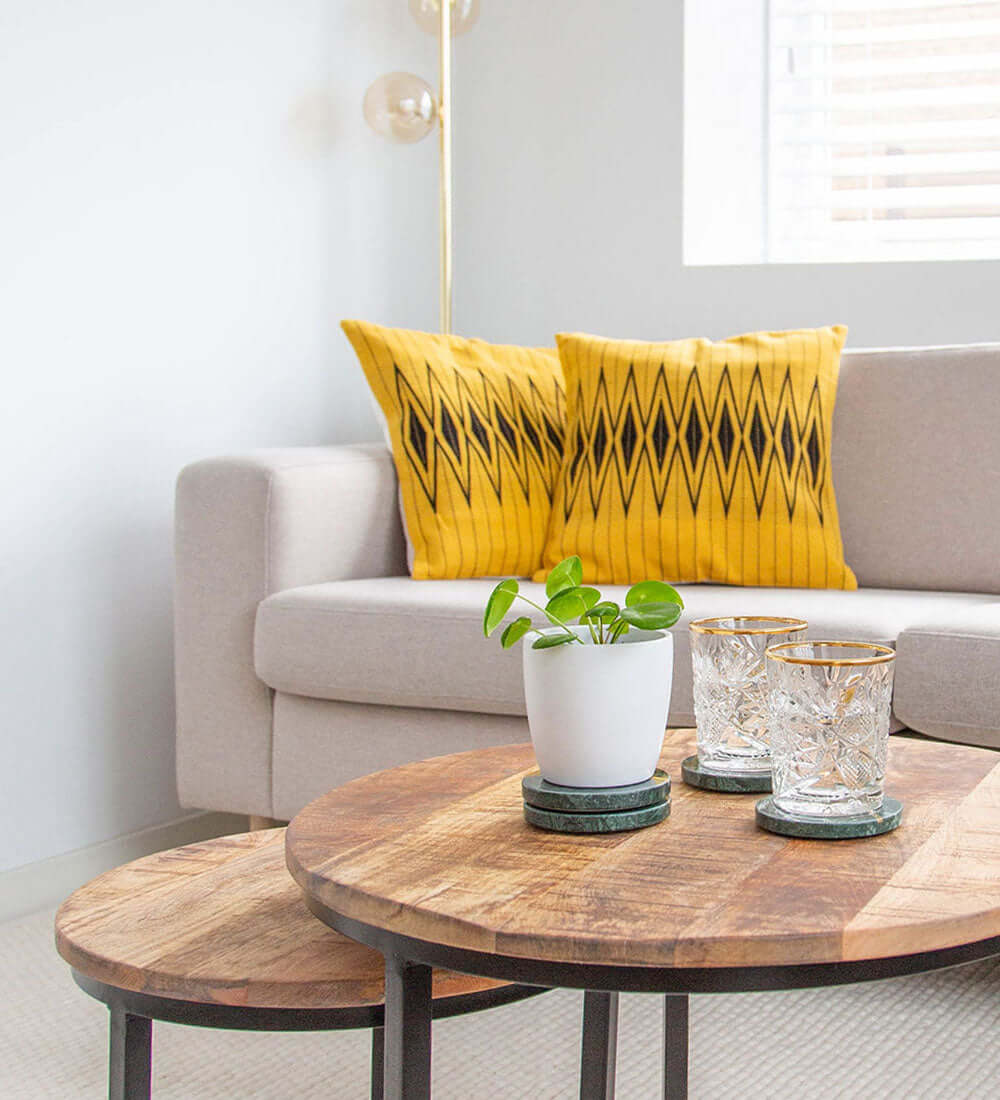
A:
(439, 851)
(222, 923)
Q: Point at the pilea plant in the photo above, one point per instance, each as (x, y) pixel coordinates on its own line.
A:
(649, 605)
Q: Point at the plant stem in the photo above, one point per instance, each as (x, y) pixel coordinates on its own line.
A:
(552, 619)
(617, 630)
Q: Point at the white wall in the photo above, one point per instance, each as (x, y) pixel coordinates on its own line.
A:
(190, 202)
(723, 155)
(568, 201)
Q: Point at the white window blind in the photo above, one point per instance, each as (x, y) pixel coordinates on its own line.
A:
(883, 130)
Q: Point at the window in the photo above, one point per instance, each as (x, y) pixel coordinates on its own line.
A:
(878, 136)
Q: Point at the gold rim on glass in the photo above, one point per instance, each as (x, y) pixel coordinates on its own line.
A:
(781, 625)
(882, 654)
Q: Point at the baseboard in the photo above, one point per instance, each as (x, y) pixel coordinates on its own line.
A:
(45, 883)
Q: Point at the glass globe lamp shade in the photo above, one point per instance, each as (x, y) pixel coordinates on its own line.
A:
(427, 13)
(401, 107)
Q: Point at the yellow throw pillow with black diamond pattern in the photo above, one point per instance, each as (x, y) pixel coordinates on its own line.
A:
(701, 461)
(477, 438)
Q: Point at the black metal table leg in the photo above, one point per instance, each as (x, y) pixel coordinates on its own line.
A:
(407, 1030)
(378, 1064)
(131, 1016)
(599, 1046)
(675, 1046)
(131, 1056)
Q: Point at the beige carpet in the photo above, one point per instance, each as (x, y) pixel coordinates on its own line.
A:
(929, 1037)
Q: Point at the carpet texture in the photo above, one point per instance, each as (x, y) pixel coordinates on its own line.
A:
(927, 1037)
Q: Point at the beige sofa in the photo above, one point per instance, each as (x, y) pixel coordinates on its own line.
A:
(306, 656)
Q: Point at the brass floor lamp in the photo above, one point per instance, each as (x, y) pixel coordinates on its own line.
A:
(403, 107)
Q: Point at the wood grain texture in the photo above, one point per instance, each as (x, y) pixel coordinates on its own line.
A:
(438, 850)
(222, 923)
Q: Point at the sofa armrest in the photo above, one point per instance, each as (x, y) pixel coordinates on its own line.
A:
(247, 526)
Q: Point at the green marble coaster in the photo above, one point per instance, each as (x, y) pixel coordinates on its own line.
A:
(707, 778)
(543, 795)
(829, 828)
(617, 822)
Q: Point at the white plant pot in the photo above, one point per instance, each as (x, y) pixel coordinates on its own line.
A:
(597, 713)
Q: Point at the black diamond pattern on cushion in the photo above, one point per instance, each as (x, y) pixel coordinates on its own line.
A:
(725, 436)
(506, 429)
(717, 434)
(490, 434)
(600, 441)
(577, 454)
(481, 434)
(530, 434)
(661, 437)
(628, 437)
(812, 449)
(788, 442)
(450, 432)
(694, 435)
(758, 438)
(418, 436)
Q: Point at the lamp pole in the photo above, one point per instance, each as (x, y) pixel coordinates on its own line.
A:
(403, 107)
(444, 123)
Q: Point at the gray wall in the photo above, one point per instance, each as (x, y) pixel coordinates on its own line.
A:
(569, 200)
(190, 203)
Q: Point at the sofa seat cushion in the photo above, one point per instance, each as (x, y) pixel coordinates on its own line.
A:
(948, 677)
(401, 642)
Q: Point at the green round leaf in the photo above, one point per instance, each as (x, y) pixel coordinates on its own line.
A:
(498, 605)
(590, 596)
(567, 605)
(652, 592)
(572, 602)
(515, 631)
(605, 612)
(547, 641)
(567, 574)
(652, 616)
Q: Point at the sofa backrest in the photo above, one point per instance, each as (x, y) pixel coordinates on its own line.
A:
(916, 466)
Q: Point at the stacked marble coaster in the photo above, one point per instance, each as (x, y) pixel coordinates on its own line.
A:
(595, 809)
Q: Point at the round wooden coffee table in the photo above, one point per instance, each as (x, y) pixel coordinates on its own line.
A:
(432, 864)
(216, 935)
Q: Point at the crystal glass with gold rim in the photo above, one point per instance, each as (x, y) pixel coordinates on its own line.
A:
(730, 688)
(829, 706)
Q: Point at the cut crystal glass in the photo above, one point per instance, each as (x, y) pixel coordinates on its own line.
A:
(730, 689)
(829, 705)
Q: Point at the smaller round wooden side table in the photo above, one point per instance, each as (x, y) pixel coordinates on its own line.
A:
(216, 935)
(433, 864)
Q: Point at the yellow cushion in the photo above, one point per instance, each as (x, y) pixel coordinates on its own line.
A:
(701, 461)
(477, 435)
